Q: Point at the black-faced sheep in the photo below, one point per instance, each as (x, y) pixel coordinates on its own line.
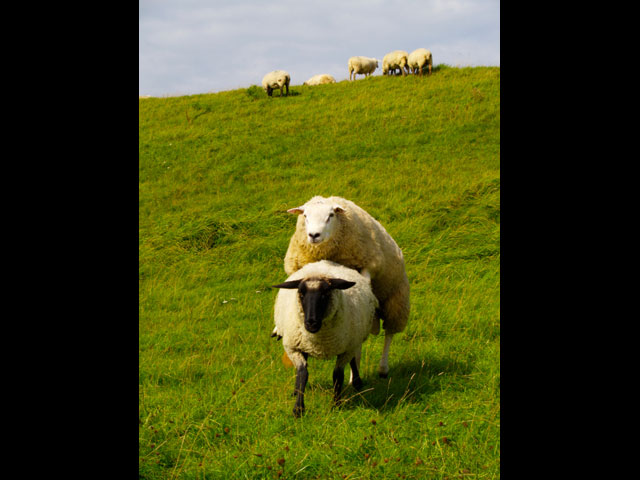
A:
(324, 310)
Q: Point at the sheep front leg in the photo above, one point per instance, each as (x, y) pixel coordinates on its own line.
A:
(302, 375)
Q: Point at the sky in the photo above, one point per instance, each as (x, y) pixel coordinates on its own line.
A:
(188, 47)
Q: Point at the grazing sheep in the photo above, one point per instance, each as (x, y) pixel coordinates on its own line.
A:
(276, 79)
(320, 79)
(339, 230)
(324, 310)
(393, 60)
(362, 65)
(418, 59)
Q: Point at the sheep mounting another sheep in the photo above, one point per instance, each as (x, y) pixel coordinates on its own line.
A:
(337, 229)
(324, 310)
(276, 79)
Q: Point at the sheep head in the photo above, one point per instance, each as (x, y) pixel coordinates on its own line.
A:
(315, 297)
(319, 219)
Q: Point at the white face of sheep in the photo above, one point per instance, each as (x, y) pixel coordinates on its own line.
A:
(319, 219)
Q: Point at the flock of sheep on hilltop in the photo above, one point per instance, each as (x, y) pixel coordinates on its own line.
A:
(345, 274)
(393, 63)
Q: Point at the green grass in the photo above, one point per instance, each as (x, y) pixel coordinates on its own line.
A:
(216, 175)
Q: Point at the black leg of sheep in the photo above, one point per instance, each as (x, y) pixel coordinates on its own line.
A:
(338, 380)
(357, 381)
(302, 375)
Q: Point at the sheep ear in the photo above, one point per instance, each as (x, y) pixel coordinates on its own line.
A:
(340, 284)
(289, 284)
(338, 209)
(297, 210)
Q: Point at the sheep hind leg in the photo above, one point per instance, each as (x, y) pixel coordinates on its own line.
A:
(338, 380)
(355, 379)
(338, 376)
(383, 368)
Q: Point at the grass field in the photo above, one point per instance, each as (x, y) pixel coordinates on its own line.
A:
(216, 175)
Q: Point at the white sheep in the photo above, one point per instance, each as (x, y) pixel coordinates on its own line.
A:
(276, 79)
(362, 65)
(393, 60)
(324, 310)
(339, 230)
(320, 79)
(418, 59)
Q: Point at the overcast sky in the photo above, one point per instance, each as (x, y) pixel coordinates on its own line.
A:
(202, 46)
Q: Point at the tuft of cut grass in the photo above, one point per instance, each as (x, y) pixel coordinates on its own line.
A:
(216, 175)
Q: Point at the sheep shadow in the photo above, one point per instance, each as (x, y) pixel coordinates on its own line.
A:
(257, 93)
(410, 382)
(276, 94)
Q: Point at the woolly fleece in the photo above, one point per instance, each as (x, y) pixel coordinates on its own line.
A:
(419, 58)
(359, 242)
(347, 322)
(320, 79)
(393, 60)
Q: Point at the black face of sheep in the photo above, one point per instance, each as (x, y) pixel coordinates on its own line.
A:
(315, 296)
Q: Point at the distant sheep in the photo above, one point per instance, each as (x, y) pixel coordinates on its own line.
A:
(276, 79)
(320, 79)
(418, 59)
(393, 60)
(362, 65)
(337, 229)
(324, 310)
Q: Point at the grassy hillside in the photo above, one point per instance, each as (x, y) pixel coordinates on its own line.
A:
(217, 173)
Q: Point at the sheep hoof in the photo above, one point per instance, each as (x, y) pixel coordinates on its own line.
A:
(298, 411)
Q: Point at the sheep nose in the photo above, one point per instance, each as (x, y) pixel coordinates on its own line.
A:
(314, 235)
